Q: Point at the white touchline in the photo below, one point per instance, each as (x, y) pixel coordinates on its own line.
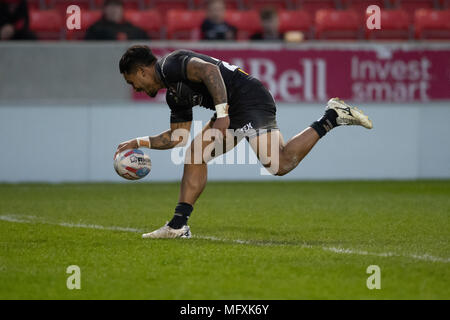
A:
(34, 220)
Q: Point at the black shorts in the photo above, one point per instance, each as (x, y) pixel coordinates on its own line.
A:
(252, 110)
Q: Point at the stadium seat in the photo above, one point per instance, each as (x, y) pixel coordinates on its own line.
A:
(337, 24)
(298, 20)
(261, 4)
(395, 25)
(360, 6)
(411, 6)
(164, 6)
(312, 6)
(88, 18)
(148, 20)
(432, 24)
(184, 24)
(46, 24)
(62, 5)
(246, 22)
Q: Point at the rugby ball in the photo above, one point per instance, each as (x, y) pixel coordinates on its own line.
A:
(132, 164)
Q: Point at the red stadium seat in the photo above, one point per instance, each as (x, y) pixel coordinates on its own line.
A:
(298, 20)
(432, 24)
(62, 5)
(312, 6)
(246, 22)
(395, 24)
(360, 6)
(148, 20)
(184, 24)
(261, 4)
(47, 24)
(164, 6)
(411, 6)
(88, 18)
(337, 24)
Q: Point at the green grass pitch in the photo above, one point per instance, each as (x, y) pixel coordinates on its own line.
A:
(254, 240)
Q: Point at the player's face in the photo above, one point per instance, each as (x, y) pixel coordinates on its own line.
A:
(142, 81)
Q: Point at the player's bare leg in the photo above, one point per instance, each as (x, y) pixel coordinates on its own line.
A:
(200, 152)
(195, 174)
(195, 170)
(280, 158)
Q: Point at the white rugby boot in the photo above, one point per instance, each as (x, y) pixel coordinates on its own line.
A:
(166, 232)
(348, 115)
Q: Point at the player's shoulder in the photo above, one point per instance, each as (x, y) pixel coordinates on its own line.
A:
(173, 65)
(177, 54)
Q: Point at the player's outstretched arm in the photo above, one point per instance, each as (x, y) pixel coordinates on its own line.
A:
(201, 71)
(176, 136)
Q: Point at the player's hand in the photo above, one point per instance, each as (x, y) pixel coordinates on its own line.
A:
(222, 124)
(130, 144)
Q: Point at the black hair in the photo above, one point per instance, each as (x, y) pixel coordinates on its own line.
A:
(136, 56)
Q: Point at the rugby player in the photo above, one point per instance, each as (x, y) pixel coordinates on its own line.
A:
(241, 102)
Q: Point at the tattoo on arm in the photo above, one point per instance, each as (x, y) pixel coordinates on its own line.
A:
(162, 141)
(165, 141)
(201, 71)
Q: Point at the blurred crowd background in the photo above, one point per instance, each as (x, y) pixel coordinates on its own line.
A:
(64, 88)
(226, 20)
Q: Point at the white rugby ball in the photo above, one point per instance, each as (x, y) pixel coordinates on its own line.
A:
(132, 164)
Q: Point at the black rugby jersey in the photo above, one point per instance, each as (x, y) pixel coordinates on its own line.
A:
(183, 94)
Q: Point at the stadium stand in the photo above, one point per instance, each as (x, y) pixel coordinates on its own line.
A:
(127, 4)
(184, 24)
(432, 24)
(395, 26)
(229, 4)
(312, 6)
(88, 18)
(298, 20)
(164, 6)
(246, 22)
(262, 4)
(46, 24)
(411, 6)
(148, 20)
(61, 5)
(181, 19)
(337, 24)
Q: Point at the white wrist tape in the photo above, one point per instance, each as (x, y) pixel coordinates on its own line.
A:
(143, 142)
(221, 110)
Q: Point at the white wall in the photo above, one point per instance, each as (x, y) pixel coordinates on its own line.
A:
(76, 143)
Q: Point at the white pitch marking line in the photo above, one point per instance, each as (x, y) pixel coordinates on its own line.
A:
(33, 220)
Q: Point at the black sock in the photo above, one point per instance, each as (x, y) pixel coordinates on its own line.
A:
(326, 123)
(182, 212)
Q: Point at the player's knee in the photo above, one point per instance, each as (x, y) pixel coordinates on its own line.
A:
(275, 170)
(281, 172)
